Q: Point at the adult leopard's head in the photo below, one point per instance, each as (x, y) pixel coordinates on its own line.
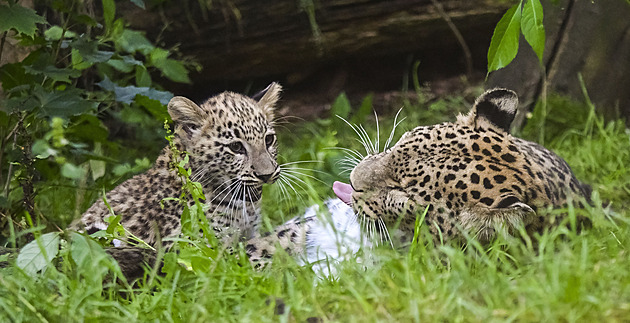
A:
(231, 141)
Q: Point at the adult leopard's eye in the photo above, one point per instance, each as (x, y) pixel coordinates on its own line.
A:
(237, 147)
(270, 139)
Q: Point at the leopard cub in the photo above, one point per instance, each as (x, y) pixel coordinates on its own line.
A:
(232, 151)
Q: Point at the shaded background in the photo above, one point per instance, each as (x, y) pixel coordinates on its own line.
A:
(318, 49)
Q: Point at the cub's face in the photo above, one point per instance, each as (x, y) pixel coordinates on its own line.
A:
(231, 142)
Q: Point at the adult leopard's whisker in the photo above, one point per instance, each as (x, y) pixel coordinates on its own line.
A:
(363, 140)
(391, 134)
(378, 134)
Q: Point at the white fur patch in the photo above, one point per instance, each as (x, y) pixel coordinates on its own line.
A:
(332, 238)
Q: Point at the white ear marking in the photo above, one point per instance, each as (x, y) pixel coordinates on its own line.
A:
(268, 101)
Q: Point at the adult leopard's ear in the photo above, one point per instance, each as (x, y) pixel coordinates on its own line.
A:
(268, 99)
(186, 114)
(495, 108)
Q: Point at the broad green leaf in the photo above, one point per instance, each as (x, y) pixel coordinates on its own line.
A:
(87, 20)
(42, 150)
(109, 11)
(43, 66)
(62, 103)
(14, 75)
(89, 50)
(88, 127)
(532, 26)
(124, 64)
(78, 63)
(200, 264)
(127, 94)
(155, 107)
(143, 78)
(364, 110)
(21, 19)
(132, 41)
(56, 32)
(84, 251)
(504, 43)
(172, 69)
(38, 254)
(98, 167)
(341, 107)
(72, 171)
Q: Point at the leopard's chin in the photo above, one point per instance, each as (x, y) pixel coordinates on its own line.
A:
(254, 194)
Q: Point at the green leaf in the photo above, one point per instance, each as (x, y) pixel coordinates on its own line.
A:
(504, 43)
(84, 251)
(62, 103)
(42, 150)
(172, 69)
(200, 264)
(341, 107)
(44, 66)
(132, 41)
(38, 254)
(21, 19)
(98, 167)
(56, 32)
(109, 11)
(532, 27)
(14, 75)
(72, 171)
(127, 94)
(78, 63)
(88, 127)
(143, 78)
(155, 107)
(125, 64)
(86, 20)
(364, 110)
(89, 50)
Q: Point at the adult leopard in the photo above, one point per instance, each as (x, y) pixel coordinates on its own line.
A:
(470, 175)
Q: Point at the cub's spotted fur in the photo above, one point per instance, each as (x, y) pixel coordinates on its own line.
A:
(232, 147)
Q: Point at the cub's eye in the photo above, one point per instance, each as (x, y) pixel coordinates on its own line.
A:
(270, 139)
(237, 147)
(189, 128)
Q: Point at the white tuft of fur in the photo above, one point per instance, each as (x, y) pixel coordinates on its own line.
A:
(332, 237)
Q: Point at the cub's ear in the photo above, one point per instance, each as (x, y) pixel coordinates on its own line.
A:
(268, 99)
(495, 108)
(186, 114)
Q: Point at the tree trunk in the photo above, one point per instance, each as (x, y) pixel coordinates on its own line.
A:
(591, 38)
(245, 39)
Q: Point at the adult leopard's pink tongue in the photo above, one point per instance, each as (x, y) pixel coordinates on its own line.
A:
(343, 192)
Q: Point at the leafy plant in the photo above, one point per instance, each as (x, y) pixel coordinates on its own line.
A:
(85, 75)
(524, 18)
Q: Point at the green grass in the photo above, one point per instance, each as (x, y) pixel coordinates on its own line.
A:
(565, 277)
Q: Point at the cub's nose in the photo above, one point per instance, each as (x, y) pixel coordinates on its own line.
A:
(264, 177)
